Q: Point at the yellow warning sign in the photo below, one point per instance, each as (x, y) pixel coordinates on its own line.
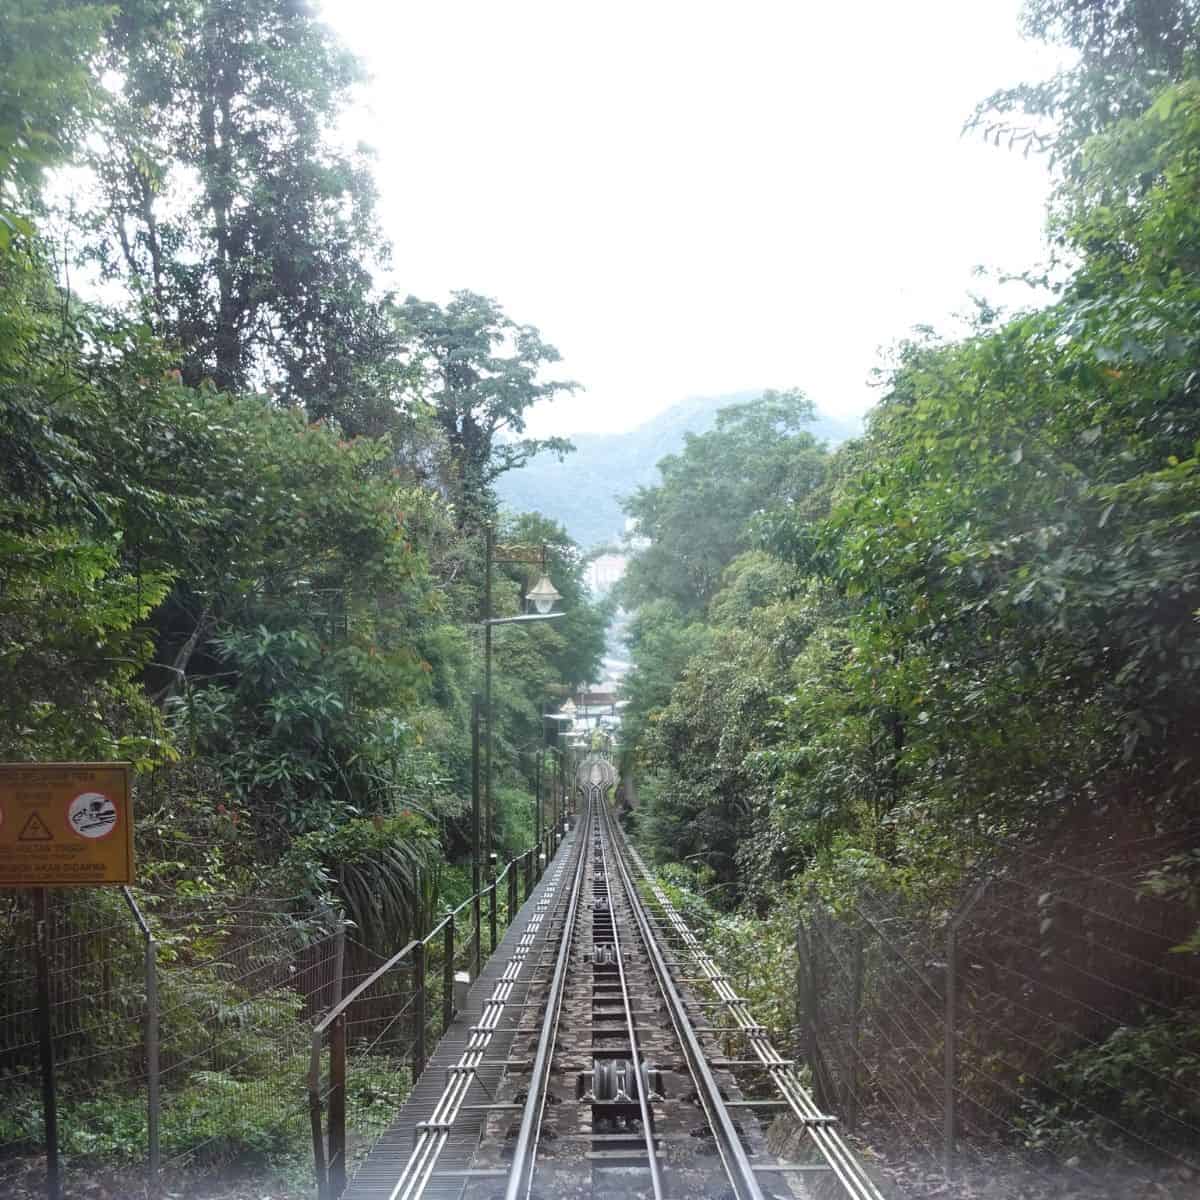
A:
(65, 824)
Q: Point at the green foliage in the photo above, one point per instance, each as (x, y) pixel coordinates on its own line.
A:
(1111, 1092)
(232, 521)
(47, 95)
(759, 456)
(1124, 51)
(383, 872)
(479, 369)
(225, 203)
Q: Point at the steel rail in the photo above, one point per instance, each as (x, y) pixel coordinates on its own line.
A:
(433, 1134)
(641, 1074)
(520, 1176)
(828, 1140)
(733, 1154)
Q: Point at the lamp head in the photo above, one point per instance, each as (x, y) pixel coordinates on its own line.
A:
(543, 595)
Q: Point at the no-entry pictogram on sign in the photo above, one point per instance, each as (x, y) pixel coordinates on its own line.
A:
(65, 824)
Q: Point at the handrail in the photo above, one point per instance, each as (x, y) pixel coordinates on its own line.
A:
(336, 1011)
(330, 1031)
(380, 971)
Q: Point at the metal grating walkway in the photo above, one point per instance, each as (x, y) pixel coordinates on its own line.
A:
(379, 1171)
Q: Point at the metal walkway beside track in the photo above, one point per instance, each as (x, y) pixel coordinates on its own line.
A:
(376, 1177)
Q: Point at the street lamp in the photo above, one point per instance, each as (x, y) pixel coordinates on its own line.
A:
(542, 597)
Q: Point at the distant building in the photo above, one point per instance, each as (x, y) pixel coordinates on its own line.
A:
(604, 571)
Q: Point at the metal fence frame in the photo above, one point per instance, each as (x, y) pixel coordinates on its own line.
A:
(421, 1002)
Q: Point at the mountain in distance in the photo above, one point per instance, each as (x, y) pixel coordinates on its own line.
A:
(583, 491)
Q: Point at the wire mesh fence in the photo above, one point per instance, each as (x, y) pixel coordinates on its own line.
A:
(370, 1047)
(179, 1025)
(1047, 1026)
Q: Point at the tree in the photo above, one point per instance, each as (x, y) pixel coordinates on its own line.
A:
(479, 370)
(1126, 50)
(759, 457)
(228, 208)
(47, 97)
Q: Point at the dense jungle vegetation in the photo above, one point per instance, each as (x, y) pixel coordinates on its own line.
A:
(976, 625)
(244, 491)
(980, 617)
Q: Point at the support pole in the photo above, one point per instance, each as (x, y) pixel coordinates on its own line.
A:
(448, 974)
(46, 1045)
(489, 551)
(538, 820)
(153, 1099)
(558, 787)
(949, 1050)
(314, 1117)
(950, 1030)
(476, 832)
(476, 850)
(492, 906)
(337, 1106)
(419, 1049)
(855, 1020)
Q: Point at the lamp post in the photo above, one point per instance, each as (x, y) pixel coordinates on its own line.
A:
(541, 597)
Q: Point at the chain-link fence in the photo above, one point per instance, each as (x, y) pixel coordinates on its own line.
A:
(1047, 1027)
(370, 1048)
(180, 1027)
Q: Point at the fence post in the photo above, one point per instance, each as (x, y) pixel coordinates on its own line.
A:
(950, 1032)
(492, 912)
(512, 892)
(806, 952)
(337, 1107)
(529, 855)
(950, 1064)
(153, 1097)
(314, 1116)
(477, 925)
(855, 1015)
(419, 1014)
(46, 1043)
(339, 960)
(448, 975)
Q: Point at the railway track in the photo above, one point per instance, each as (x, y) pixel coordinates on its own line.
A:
(615, 1081)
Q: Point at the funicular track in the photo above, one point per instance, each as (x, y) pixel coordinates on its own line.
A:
(615, 1084)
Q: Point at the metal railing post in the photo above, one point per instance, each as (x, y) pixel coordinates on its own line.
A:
(448, 975)
(419, 1010)
(153, 1097)
(855, 1021)
(314, 1116)
(950, 1030)
(949, 1063)
(337, 1107)
(529, 855)
(492, 913)
(477, 925)
(153, 1093)
(512, 891)
(806, 951)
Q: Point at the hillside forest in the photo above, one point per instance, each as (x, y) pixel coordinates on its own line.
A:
(244, 493)
(972, 631)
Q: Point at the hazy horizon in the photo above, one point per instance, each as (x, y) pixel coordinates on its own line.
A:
(692, 199)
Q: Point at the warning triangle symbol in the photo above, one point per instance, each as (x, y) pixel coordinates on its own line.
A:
(35, 830)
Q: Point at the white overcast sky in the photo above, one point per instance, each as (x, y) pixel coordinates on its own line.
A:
(697, 197)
